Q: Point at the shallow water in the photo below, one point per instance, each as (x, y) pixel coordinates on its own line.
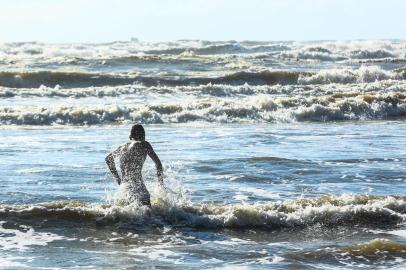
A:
(262, 171)
(259, 168)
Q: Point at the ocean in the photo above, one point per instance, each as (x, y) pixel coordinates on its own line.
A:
(276, 155)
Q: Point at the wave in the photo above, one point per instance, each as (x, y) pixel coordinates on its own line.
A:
(379, 249)
(222, 48)
(339, 51)
(215, 90)
(65, 79)
(374, 246)
(344, 76)
(208, 49)
(100, 62)
(365, 48)
(379, 61)
(260, 108)
(356, 57)
(78, 79)
(330, 211)
(323, 54)
(365, 160)
(372, 54)
(312, 53)
(265, 77)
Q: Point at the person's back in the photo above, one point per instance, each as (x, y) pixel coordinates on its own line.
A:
(131, 157)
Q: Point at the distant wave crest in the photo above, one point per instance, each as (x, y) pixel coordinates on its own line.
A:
(344, 76)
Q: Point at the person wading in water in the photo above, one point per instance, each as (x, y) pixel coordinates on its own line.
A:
(130, 158)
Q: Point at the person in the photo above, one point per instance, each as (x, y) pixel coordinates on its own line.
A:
(130, 158)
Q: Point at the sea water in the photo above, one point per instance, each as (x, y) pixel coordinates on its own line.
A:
(277, 155)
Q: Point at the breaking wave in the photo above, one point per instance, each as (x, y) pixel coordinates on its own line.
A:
(77, 79)
(372, 54)
(209, 48)
(265, 77)
(313, 53)
(336, 51)
(260, 108)
(376, 245)
(345, 76)
(375, 250)
(216, 90)
(330, 211)
(323, 54)
(53, 79)
(360, 49)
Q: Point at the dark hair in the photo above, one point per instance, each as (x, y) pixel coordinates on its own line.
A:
(137, 133)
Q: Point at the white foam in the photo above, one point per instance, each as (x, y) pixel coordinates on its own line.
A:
(24, 239)
(261, 192)
(69, 53)
(158, 253)
(258, 108)
(340, 50)
(401, 233)
(363, 74)
(11, 261)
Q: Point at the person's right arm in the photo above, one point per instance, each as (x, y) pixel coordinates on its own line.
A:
(112, 166)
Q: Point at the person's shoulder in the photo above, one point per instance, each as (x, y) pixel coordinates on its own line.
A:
(147, 145)
(123, 146)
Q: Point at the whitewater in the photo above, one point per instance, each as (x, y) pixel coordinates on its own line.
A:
(277, 155)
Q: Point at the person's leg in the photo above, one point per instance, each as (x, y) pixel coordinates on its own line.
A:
(146, 199)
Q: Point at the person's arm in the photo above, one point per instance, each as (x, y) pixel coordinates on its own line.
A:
(112, 166)
(157, 161)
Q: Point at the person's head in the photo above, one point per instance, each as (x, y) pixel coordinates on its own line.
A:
(137, 133)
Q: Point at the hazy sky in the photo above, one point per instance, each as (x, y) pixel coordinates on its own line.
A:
(102, 20)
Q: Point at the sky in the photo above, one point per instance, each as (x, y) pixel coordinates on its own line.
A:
(59, 21)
